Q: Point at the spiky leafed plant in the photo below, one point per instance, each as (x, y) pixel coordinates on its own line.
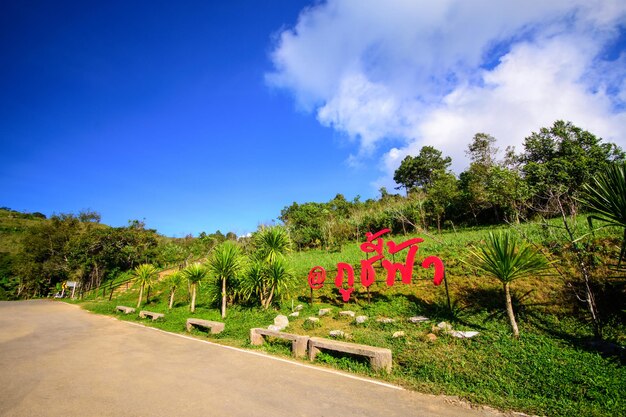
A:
(195, 273)
(605, 196)
(507, 259)
(271, 243)
(225, 262)
(144, 274)
(173, 282)
(265, 281)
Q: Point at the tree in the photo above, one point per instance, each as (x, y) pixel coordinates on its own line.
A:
(441, 195)
(173, 281)
(225, 263)
(559, 160)
(145, 274)
(419, 171)
(268, 275)
(194, 273)
(605, 196)
(505, 258)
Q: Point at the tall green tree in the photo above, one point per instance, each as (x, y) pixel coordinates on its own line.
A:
(195, 273)
(226, 262)
(145, 275)
(557, 161)
(506, 258)
(420, 170)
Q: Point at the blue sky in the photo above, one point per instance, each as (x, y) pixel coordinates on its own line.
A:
(216, 115)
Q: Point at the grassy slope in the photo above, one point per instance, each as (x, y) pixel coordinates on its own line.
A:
(550, 370)
(12, 229)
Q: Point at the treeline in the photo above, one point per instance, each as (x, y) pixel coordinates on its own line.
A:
(545, 179)
(77, 247)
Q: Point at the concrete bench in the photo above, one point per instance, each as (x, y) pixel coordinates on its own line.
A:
(143, 314)
(298, 343)
(125, 310)
(380, 358)
(214, 327)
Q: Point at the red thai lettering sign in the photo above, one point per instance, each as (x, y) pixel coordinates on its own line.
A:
(374, 247)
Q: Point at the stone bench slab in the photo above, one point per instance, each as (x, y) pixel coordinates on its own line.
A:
(380, 358)
(214, 327)
(125, 310)
(154, 316)
(298, 343)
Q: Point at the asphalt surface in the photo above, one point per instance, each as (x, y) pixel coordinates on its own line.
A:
(58, 360)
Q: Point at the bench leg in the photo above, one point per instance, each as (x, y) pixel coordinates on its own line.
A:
(380, 362)
(255, 338)
(298, 347)
(189, 326)
(313, 351)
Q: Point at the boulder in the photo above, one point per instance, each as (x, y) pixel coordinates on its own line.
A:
(361, 319)
(336, 333)
(299, 307)
(294, 314)
(324, 311)
(398, 334)
(347, 313)
(281, 321)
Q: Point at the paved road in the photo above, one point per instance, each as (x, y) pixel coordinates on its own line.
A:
(58, 360)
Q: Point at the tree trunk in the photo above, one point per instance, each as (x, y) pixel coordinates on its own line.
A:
(509, 310)
(193, 297)
(224, 297)
(140, 296)
(172, 298)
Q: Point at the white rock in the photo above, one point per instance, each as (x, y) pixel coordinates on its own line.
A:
(418, 319)
(336, 333)
(313, 319)
(281, 321)
(294, 314)
(274, 328)
(323, 311)
(385, 320)
(462, 335)
(299, 307)
(398, 334)
(347, 313)
(444, 326)
(361, 319)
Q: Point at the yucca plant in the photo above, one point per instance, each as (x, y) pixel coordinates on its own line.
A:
(195, 273)
(144, 274)
(271, 243)
(605, 196)
(173, 282)
(225, 262)
(265, 281)
(507, 259)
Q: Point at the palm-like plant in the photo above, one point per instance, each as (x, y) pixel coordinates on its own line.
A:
(267, 280)
(506, 259)
(605, 196)
(271, 243)
(225, 262)
(173, 282)
(145, 274)
(194, 273)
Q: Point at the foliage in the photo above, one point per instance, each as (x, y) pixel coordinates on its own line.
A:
(505, 258)
(226, 262)
(605, 196)
(145, 275)
(420, 170)
(195, 273)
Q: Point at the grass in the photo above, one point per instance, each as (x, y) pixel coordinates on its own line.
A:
(553, 369)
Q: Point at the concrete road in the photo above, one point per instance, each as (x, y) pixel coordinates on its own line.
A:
(58, 360)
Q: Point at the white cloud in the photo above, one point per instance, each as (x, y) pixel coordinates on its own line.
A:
(438, 72)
